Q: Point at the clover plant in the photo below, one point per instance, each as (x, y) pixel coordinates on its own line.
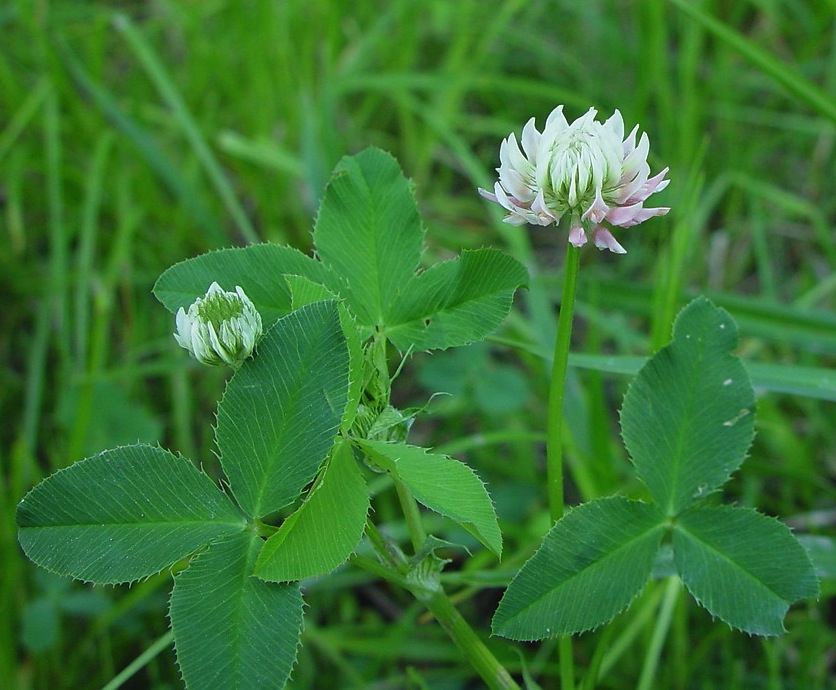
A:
(307, 419)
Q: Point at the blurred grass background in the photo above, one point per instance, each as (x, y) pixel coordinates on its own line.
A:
(136, 134)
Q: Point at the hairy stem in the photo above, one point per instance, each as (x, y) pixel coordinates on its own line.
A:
(470, 645)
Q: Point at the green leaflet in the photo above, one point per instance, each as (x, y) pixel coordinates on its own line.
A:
(303, 292)
(443, 484)
(369, 233)
(455, 302)
(259, 269)
(232, 630)
(591, 565)
(325, 530)
(688, 418)
(282, 409)
(123, 515)
(744, 567)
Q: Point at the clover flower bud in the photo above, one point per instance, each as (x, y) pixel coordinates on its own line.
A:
(587, 170)
(220, 327)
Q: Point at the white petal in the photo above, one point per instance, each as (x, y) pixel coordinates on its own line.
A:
(488, 195)
(630, 142)
(615, 123)
(556, 120)
(530, 140)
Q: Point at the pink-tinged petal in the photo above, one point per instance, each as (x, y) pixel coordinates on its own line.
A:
(598, 210)
(506, 202)
(519, 213)
(630, 186)
(655, 184)
(644, 214)
(623, 215)
(628, 216)
(490, 197)
(544, 214)
(603, 239)
(577, 237)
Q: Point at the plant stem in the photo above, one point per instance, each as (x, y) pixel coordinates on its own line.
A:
(433, 596)
(567, 663)
(427, 588)
(412, 514)
(474, 650)
(554, 427)
(392, 557)
(439, 604)
(384, 572)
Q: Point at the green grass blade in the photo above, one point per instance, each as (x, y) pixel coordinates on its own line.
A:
(793, 379)
(144, 143)
(23, 116)
(172, 98)
(261, 151)
(787, 77)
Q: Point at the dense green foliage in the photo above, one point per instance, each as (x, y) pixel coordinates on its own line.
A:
(129, 142)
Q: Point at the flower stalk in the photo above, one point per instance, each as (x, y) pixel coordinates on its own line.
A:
(557, 385)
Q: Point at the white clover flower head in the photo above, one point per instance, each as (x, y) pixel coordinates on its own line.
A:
(587, 171)
(220, 327)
